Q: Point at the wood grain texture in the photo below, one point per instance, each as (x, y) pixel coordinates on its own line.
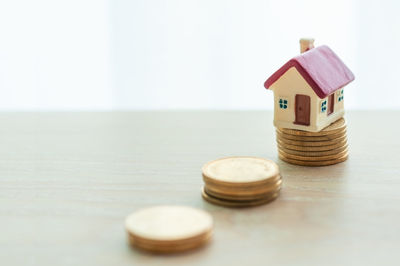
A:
(68, 180)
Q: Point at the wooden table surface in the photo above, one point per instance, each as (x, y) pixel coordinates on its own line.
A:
(68, 180)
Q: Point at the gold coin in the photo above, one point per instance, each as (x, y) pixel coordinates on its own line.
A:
(313, 153)
(240, 197)
(244, 186)
(318, 148)
(237, 204)
(141, 240)
(239, 171)
(313, 158)
(314, 163)
(333, 128)
(169, 248)
(312, 143)
(311, 138)
(174, 225)
(261, 190)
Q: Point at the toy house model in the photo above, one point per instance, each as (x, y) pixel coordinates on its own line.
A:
(308, 90)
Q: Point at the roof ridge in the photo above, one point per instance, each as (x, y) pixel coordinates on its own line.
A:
(322, 69)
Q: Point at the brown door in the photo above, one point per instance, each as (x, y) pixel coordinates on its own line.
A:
(302, 110)
(331, 103)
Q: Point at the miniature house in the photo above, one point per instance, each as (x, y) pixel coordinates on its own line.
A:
(308, 90)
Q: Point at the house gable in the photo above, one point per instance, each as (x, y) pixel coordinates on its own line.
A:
(291, 83)
(286, 88)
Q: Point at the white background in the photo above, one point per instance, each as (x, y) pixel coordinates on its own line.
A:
(186, 54)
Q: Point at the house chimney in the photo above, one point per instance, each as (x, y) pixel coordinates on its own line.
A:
(306, 44)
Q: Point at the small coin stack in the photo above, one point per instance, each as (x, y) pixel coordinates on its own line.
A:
(241, 181)
(326, 147)
(168, 229)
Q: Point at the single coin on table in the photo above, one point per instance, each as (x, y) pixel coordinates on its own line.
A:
(169, 228)
(168, 247)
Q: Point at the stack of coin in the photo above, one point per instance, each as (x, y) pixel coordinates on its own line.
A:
(241, 181)
(168, 229)
(326, 147)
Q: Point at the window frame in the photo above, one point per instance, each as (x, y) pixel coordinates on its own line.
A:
(282, 102)
(340, 95)
(323, 106)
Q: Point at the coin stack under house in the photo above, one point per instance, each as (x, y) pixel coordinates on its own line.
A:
(326, 147)
(241, 181)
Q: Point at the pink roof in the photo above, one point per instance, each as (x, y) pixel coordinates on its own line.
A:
(321, 68)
